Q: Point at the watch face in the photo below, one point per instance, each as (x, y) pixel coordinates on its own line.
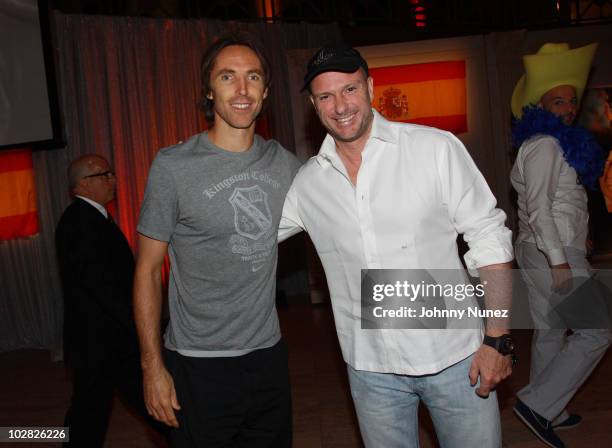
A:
(508, 345)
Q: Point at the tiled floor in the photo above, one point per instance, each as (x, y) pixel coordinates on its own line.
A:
(35, 391)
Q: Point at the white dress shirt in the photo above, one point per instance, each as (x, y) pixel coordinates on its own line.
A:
(416, 189)
(552, 204)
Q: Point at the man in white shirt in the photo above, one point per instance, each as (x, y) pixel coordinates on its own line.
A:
(383, 195)
(554, 164)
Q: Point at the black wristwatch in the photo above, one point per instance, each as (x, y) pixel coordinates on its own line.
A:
(504, 344)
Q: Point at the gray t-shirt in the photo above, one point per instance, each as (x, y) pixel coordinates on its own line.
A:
(219, 211)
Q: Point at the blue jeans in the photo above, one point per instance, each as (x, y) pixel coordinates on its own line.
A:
(387, 405)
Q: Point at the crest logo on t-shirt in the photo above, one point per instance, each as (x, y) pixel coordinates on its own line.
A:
(252, 216)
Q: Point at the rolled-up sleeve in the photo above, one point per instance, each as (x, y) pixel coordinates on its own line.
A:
(472, 208)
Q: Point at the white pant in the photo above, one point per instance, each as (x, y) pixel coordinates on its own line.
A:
(559, 364)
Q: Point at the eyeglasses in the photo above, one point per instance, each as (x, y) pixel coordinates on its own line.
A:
(107, 174)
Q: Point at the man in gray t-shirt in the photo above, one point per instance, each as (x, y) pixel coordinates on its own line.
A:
(213, 204)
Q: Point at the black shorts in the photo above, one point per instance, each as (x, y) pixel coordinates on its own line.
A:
(242, 401)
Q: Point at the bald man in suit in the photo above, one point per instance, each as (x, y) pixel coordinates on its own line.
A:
(96, 267)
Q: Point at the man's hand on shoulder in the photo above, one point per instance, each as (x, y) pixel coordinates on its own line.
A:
(160, 395)
(492, 367)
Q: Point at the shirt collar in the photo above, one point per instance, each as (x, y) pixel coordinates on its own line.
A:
(97, 206)
(382, 130)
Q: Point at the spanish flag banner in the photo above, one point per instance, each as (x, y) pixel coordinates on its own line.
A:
(18, 216)
(432, 94)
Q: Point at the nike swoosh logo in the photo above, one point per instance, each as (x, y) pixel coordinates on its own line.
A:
(256, 268)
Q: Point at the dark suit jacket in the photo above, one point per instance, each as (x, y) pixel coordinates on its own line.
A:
(97, 269)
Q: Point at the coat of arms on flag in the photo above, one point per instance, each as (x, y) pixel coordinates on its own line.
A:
(433, 94)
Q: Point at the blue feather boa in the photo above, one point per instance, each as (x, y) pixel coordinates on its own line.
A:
(580, 149)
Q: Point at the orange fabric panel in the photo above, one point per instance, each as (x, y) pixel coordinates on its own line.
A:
(17, 193)
(433, 94)
(18, 213)
(421, 99)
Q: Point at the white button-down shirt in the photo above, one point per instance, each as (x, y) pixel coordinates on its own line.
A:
(416, 189)
(552, 204)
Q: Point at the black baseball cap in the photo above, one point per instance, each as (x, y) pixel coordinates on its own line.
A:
(335, 57)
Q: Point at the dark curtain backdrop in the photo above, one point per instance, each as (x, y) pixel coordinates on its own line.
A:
(128, 86)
